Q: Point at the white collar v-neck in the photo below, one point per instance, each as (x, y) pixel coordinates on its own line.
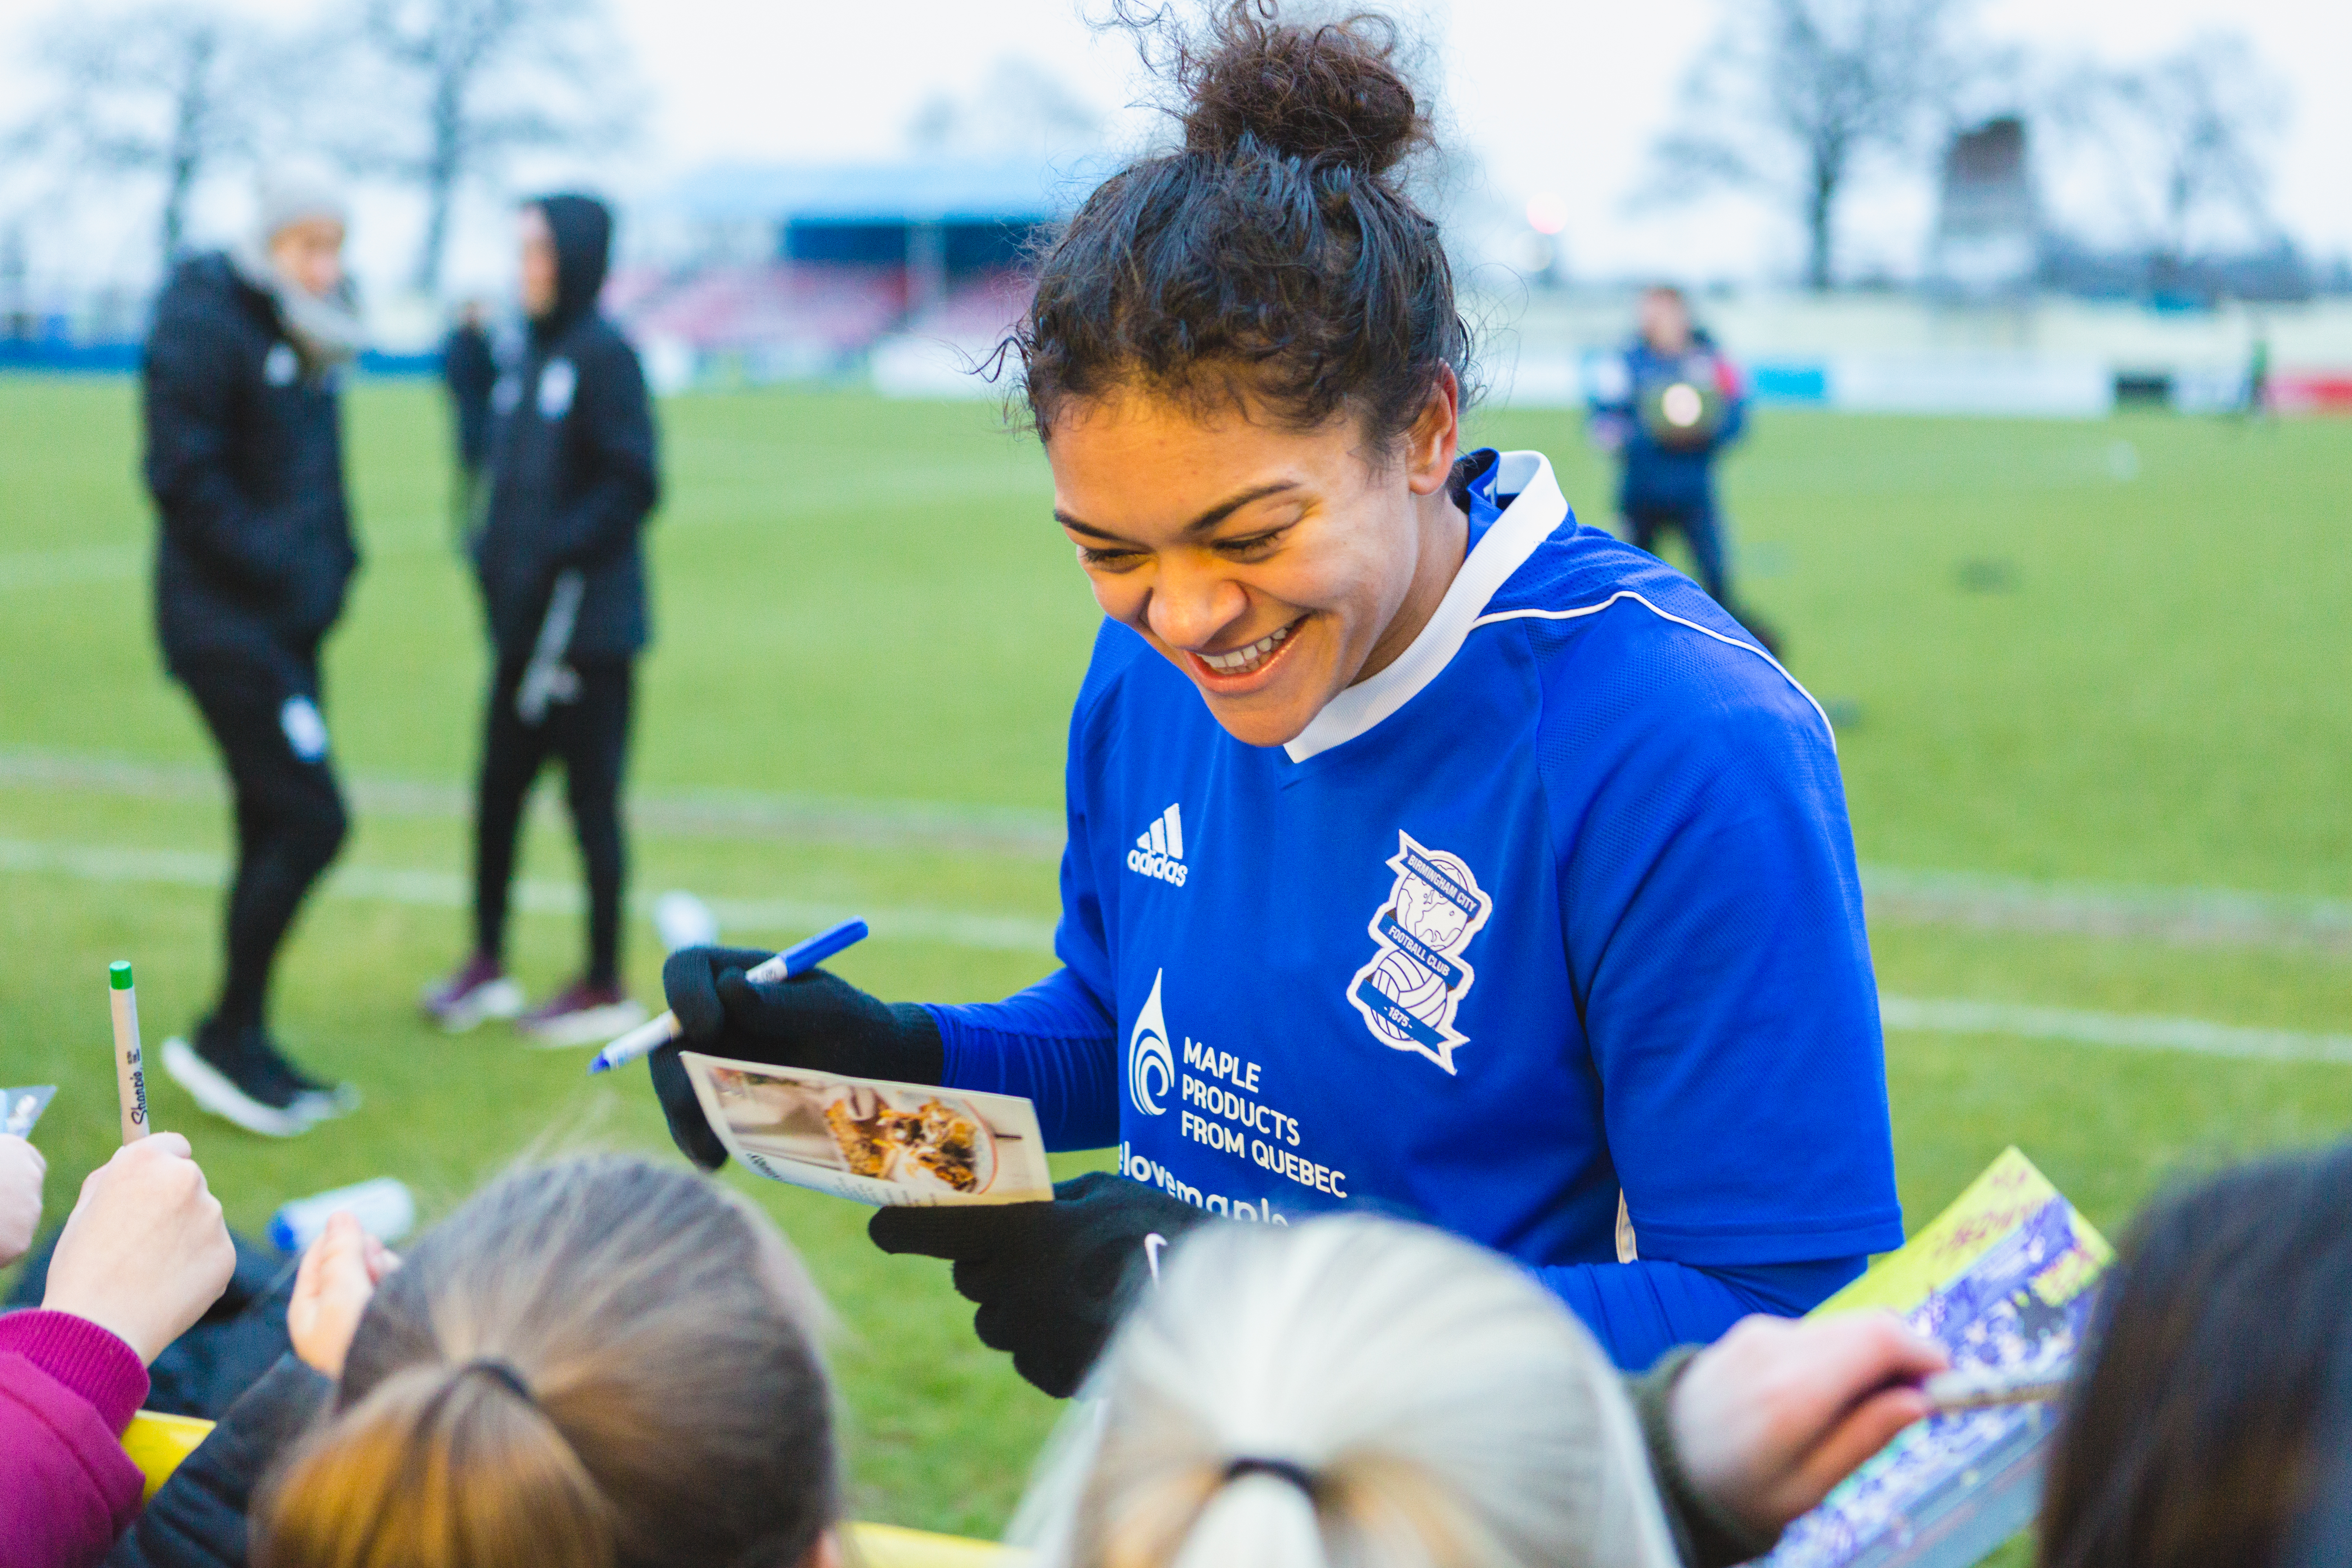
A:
(1530, 518)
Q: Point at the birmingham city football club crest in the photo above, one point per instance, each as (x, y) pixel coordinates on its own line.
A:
(1410, 991)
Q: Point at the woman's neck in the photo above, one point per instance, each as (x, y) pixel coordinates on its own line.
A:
(1444, 539)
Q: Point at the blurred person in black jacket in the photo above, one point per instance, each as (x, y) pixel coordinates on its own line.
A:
(244, 461)
(469, 369)
(571, 481)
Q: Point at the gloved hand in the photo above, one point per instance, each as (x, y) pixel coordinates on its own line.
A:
(1052, 1280)
(814, 1020)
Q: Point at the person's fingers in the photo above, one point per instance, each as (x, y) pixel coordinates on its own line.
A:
(308, 1273)
(688, 1128)
(1057, 1371)
(1859, 1355)
(946, 1232)
(688, 981)
(381, 1260)
(163, 1144)
(1863, 1431)
(738, 999)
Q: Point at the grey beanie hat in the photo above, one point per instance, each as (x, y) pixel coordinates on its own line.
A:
(290, 192)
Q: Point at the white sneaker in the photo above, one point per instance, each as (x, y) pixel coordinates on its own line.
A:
(581, 1015)
(218, 1092)
(477, 992)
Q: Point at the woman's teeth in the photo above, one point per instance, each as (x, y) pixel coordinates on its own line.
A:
(1242, 661)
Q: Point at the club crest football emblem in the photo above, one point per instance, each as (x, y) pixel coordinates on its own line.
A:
(1410, 991)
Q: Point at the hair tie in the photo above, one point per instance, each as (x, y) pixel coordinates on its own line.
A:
(1290, 1470)
(501, 1370)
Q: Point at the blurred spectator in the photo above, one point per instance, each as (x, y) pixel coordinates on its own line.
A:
(1666, 405)
(596, 1361)
(469, 368)
(246, 463)
(1354, 1389)
(142, 1256)
(571, 480)
(2201, 1428)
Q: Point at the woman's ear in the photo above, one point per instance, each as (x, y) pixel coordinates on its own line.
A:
(825, 1553)
(1435, 437)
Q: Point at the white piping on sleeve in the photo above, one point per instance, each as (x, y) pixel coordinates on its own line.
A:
(1583, 610)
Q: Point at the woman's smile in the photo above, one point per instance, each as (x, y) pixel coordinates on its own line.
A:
(1245, 668)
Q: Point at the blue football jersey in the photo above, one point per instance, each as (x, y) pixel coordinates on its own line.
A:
(1549, 933)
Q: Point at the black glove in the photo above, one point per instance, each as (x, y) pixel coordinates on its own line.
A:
(814, 1020)
(1052, 1280)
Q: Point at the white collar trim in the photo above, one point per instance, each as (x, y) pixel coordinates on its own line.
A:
(1526, 522)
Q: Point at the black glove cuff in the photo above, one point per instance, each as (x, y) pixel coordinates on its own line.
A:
(916, 1051)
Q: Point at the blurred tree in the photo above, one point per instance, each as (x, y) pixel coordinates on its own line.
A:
(1792, 94)
(465, 84)
(173, 90)
(2186, 138)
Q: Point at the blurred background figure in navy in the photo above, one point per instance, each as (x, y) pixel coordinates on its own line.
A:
(1665, 407)
(571, 481)
(246, 464)
(469, 369)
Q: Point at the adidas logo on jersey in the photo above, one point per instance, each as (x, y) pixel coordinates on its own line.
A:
(1159, 850)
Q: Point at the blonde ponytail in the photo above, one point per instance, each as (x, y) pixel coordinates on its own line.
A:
(1350, 1392)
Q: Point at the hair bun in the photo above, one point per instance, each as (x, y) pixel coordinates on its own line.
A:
(1330, 91)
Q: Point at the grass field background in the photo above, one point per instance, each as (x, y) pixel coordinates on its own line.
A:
(2090, 658)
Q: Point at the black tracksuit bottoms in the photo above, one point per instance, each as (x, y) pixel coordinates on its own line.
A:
(264, 716)
(591, 734)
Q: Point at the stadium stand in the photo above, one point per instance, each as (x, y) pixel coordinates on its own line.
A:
(782, 273)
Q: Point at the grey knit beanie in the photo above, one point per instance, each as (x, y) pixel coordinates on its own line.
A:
(290, 192)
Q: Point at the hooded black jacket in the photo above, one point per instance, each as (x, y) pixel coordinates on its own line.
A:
(245, 459)
(573, 474)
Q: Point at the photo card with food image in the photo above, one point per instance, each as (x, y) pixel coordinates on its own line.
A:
(878, 1142)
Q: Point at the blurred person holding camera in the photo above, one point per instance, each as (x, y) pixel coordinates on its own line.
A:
(561, 562)
(1667, 404)
(142, 1256)
(244, 461)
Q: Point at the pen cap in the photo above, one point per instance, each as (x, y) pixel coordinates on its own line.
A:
(118, 975)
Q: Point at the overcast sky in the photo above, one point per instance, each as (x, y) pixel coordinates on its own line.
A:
(1553, 97)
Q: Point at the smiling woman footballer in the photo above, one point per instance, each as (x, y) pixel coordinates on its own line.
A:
(1427, 851)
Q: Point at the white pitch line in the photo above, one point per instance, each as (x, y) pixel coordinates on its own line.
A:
(2126, 1031)
(447, 890)
(2193, 916)
(729, 813)
(1022, 933)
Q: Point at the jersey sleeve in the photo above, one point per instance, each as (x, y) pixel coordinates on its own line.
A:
(1054, 1044)
(614, 426)
(1716, 949)
(1640, 1310)
(188, 396)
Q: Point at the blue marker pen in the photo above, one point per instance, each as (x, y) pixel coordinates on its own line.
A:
(646, 1038)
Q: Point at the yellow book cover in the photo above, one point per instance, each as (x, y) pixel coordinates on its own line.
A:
(2002, 1280)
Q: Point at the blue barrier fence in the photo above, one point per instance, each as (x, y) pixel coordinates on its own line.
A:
(54, 356)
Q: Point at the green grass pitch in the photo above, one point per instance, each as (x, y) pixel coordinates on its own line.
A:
(2045, 673)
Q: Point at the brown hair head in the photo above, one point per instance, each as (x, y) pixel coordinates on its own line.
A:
(590, 1365)
(1273, 261)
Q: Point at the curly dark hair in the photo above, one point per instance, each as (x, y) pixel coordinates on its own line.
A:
(1275, 261)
